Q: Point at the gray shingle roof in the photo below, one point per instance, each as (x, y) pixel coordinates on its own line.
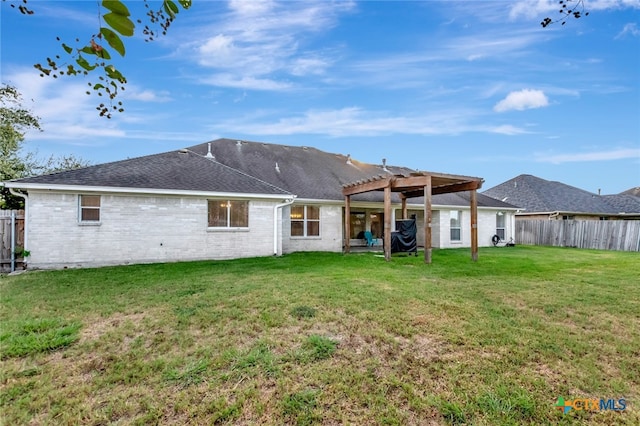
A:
(304, 171)
(632, 191)
(313, 174)
(535, 194)
(175, 170)
(623, 203)
(247, 168)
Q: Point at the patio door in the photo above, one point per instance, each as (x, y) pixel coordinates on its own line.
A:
(377, 224)
(358, 223)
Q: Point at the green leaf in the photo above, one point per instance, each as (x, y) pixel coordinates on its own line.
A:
(113, 39)
(116, 6)
(84, 64)
(103, 53)
(89, 50)
(66, 48)
(186, 4)
(120, 23)
(171, 8)
(114, 74)
(100, 51)
(98, 86)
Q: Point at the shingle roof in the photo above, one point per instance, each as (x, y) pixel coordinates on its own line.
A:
(307, 172)
(623, 203)
(175, 170)
(632, 191)
(463, 199)
(313, 174)
(246, 168)
(534, 194)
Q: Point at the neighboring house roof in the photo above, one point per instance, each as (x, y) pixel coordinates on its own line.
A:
(623, 203)
(175, 170)
(632, 191)
(534, 194)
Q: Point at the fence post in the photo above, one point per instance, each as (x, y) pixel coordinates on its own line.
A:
(13, 240)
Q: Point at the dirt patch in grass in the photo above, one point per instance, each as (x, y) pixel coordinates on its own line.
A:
(96, 327)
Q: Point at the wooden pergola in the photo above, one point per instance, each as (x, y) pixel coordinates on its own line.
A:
(418, 184)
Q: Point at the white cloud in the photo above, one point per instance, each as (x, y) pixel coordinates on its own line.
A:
(308, 66)
(629, 29)
(256, 39)
(65, 111)
(355, 121)
(521, 100)
(507, 129)
(535, 8)
(245, 82)
(251, 8)
(532, 8)
(145, 95)
(616, 154)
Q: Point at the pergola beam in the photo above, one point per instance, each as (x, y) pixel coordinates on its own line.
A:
(446, 189)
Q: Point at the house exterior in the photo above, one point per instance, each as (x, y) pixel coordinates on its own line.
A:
(538, 198)
(225, 199)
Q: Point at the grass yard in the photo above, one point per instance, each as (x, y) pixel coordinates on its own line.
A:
(321, 338)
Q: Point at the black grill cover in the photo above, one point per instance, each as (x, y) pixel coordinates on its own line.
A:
(404, 238)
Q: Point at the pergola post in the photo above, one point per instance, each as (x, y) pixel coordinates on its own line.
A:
(347, 224)
(427, 221)
(387, 222)
(405, 212)
(474, 225)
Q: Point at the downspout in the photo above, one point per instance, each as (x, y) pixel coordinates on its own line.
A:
(26, 226)
(287, 202)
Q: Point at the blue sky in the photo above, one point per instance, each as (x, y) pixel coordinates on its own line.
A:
(474, 88)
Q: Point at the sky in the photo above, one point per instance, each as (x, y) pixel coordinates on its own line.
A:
(473, 88)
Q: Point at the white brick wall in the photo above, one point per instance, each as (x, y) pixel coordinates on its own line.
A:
(440, 230)
(145, 229)
(139, 229)
(330, 238)
(486, 228)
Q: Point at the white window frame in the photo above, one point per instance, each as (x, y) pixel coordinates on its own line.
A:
(82, 208)
(305, 221)
(501, 231)
(229, 205)
(458, 228)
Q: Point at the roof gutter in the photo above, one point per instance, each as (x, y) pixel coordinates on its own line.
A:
(287, 202)
(141, 191)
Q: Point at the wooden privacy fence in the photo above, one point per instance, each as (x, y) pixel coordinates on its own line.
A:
(623, 235)
(6, 233)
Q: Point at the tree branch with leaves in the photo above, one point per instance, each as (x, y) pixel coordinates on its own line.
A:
(568, 9)
(94, 57)
(15, 121)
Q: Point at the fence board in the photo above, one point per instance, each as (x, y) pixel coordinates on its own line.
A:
(5, 237)
(622, 235)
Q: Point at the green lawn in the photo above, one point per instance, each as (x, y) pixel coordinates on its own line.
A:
(320, 338)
